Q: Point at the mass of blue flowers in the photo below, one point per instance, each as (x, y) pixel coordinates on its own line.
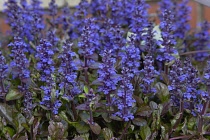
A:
(104, 70)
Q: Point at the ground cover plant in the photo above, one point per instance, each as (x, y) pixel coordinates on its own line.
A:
(104, 71)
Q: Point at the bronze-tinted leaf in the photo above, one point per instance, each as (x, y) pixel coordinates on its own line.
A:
(139, 121)
(95, 128)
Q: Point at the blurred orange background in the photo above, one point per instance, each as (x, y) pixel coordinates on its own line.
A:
(199, 12)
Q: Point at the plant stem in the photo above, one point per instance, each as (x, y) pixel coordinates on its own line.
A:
(125, 130)
(193, 52)
(181, 110)
(200, 119)
(87, 82)
(74, 110)
(182, 137)
(31, 133)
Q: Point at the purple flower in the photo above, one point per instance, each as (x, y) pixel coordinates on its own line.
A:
(45, 62)
(207, 75)
(182, 18)
(139, 21)
(3, 72)
(107, 75)
(28, 103)
(168, 41)
(14, 17)
(82, 11)
(112, 37)
(53, 10)
(202, 42)
(130, 58)
(25, 20)
(150, 42)
(149, 74)
(68, 73)
(64, 18)
(168, 5)
(121, 11)
(19, 64)
(38, 21)
(124, 100)
(89, 42)
(99, 8)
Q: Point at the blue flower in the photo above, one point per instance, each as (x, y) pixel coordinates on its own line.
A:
(124, 100)
(3, 72)
(130, 58)
(182, 18)
(121, 11)
(207, 75)
(168, 42)
(139, 21)
(149, 74)
(45, 62)
(107, 74)
(78, 19)
(20, 63)
(67, 70)
(89, 42)
(202, 42)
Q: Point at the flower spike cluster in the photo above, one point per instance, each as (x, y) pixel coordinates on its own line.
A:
(89, 42)
(124, 100)
(139, 21)
(82, 11)
(20, 63)
(182, 19)
(3, 72)
(202, 42)
(168, 41)
(20, 69)
(107, 74)
(67, 70)
(45, 65)
(150, 75)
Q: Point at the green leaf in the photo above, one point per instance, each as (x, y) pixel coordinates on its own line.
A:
(84, 116)
(164, 134)
(177, 116)
(8, 130)
(6, 112)
(13, 94)
(191, 123)
(139, 121)
(82, 107)
(86, 90)
(94, 65)
(107, 133)
(25, 125)
(116, 118)
(145, 132)
(81, 127)
(106, 117)
(62, 114)
(95, 128)
(82, 96)
(162, 92)
(144, 111)
(153, 105)
(139, 101)
(20, 120)
(97, 83)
